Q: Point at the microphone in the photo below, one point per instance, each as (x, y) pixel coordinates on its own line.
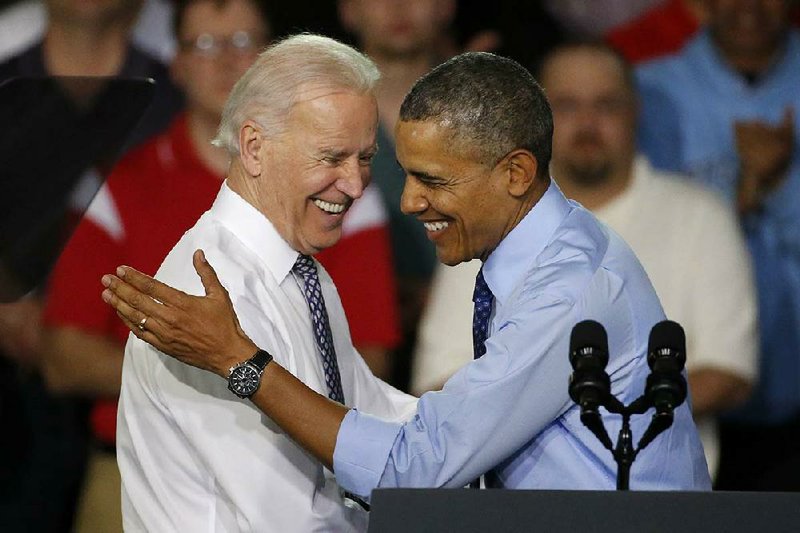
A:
(588, 355)
(666, 356)
(589, 385)
(665, 387)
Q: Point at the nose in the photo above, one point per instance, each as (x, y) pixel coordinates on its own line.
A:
(413, 201)
(353, 180)
(586, 116)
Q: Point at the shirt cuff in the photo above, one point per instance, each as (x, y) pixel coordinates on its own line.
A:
(362, 451)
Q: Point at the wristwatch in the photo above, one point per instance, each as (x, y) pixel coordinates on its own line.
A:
(245, 377)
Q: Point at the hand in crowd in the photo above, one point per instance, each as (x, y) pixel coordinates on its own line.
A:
(765, 152)
(21, 330)
(201, 331)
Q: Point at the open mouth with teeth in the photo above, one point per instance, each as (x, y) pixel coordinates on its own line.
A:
(438, 225)
(331, 207)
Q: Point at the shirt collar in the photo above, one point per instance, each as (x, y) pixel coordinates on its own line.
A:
(517, 252)
(255, 231)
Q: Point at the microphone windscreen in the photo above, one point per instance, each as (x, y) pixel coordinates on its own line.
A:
(667, 334)
(667, 343)
(588, 334)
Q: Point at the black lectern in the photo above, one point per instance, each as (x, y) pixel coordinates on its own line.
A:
(496, 511)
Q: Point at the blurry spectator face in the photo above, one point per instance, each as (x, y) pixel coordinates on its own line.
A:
(747, 27)
(92, 13)
(317, 166)
(594, 114)
(463, 203)
(397, 28)
(217, 43)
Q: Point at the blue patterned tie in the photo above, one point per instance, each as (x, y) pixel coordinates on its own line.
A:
(307, 269)
(482, 298)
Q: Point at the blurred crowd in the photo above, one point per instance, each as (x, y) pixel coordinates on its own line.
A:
(675, 122)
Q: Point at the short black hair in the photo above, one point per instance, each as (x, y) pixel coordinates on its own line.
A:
(491, 102)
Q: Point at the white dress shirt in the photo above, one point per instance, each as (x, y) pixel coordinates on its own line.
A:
(193, 456)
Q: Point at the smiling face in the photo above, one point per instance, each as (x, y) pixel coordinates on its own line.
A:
(312, 172)
(464, 204)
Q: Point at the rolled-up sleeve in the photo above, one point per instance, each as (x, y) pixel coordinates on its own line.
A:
(362, 448)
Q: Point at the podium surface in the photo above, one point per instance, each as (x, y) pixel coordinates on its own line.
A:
(495, 511)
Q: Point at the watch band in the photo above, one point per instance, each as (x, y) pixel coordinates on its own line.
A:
(261, 359)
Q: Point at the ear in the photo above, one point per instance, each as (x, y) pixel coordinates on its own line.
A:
(251, 140)
(520, 167)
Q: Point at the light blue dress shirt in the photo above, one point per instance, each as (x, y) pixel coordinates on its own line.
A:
(690, 104)
(509, 412)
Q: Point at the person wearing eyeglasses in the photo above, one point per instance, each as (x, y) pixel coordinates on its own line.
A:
(153, 195)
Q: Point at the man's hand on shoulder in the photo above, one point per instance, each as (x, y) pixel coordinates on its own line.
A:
(202, 331)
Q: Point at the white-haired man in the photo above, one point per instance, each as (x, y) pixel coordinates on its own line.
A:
(300, 127)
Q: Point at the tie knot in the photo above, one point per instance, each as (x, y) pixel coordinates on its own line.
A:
(305, 266)
(482, 292)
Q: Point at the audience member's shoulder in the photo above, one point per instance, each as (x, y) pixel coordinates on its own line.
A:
(142, 62)
(665, 69)
(24, 63)
(8, 69)
(659, 70)
(677, 191)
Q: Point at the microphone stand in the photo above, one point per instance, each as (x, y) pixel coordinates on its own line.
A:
(590, 388)
(624, 452)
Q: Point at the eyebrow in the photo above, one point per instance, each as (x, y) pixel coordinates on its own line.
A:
(419, 174)
(424, 176)
(336, 152)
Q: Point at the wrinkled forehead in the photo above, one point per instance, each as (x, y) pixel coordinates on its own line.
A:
(321, 89)
(305, 105)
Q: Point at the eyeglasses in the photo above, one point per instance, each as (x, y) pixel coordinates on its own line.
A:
(207, 45)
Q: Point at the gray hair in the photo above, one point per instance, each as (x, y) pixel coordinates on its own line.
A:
(490, 102)
(282, 74)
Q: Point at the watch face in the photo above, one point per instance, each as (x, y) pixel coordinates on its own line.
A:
(244, 379)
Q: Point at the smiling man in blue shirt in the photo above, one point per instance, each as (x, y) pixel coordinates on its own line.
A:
(474, 139)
